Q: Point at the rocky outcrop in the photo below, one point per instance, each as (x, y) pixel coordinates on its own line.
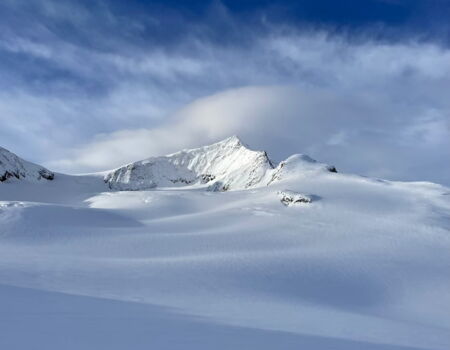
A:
(289, 198)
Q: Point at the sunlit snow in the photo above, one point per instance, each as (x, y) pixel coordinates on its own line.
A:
(181, 263)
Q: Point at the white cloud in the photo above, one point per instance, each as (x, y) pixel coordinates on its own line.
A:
(241, 111)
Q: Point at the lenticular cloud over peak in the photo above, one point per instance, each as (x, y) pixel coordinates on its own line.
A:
(382, 134)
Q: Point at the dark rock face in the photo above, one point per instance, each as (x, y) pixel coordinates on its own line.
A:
(6, 175)
(207, 178)
(332, 169)
(180, 180)
(46, 174)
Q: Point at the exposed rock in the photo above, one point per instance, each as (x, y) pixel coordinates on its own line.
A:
(218, 186)
(289, 198)
(207, 178)
(46, 174)
(332, 169)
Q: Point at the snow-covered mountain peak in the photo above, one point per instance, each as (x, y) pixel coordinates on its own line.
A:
(230, 143)
(13, 167)
(232, 140)
(227, 164)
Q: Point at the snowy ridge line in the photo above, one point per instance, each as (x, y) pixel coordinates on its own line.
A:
(14, 167)
(222, 166)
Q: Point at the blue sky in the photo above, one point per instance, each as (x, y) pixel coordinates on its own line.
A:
(89, 85)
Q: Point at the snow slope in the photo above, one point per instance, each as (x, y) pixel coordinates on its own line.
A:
(363, 264)
(14, 168)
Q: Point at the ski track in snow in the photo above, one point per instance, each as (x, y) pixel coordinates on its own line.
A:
(365, 265)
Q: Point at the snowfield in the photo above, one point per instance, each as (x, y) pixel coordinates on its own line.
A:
(204, 254)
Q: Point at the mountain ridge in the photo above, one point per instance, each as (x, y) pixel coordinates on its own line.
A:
(229, 164)
(225, 165)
